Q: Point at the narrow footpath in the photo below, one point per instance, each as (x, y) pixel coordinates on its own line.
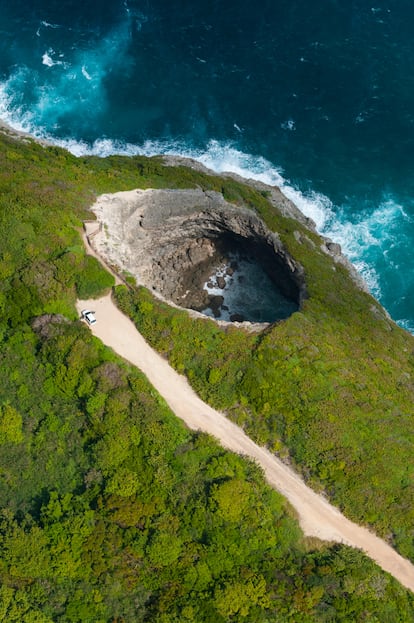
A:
(317, 517)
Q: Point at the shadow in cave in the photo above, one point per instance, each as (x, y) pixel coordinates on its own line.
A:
(243, 280)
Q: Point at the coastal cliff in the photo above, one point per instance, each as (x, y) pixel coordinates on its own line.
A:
(171, 241)
(189, 245)
(111, 508)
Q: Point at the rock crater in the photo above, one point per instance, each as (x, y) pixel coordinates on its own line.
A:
(173, 241)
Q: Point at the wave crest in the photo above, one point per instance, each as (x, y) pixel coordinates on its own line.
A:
(368, 239)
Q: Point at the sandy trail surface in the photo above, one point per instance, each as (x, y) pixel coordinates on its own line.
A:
(317, 517)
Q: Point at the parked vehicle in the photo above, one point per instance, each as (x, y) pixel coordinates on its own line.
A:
(88, 315)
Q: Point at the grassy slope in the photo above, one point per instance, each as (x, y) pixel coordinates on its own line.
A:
(110, 509)
(333, 384)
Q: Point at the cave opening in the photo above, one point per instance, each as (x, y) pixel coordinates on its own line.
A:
(242, 280)
(195, 250)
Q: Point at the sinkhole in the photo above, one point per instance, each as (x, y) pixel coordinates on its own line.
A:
(239, 279)
(194, 249)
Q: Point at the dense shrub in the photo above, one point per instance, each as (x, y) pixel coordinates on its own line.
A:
(331, 386)
(110, 509)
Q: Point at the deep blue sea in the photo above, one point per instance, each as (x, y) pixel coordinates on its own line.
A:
(317, 97)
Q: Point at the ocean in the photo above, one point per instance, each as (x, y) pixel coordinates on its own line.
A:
(317, 98)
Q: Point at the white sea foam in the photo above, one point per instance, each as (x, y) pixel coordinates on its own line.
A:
(288, 125)
(221, 157)
(373, 238)
(408, 325)
(86, 73)
(49, 25)
(74, 87)
(12, 113)
(247, 291)
(44, 24)
(354, 237)
(363, 239)
(49, 61)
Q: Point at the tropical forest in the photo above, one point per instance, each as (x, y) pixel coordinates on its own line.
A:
(111, 509)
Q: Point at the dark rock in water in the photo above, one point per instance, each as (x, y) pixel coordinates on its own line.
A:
(237, 318)
(230, 271)
(198, 299)
(221, 282)
(224, 308)
(215, 304)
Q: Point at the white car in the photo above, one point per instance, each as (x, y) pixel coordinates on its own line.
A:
(88, 315)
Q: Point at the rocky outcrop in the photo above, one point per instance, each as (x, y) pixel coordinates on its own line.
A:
(284, 205)
(171, 240)
(273, 193)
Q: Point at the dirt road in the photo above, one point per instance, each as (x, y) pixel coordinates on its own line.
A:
(317, 517)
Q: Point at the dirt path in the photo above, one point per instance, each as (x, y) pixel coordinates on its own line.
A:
(317, 517)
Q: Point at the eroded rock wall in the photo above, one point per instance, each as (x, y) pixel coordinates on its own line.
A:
(169, 240)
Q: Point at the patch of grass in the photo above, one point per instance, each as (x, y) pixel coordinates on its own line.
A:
(331, 386)
(110, 509)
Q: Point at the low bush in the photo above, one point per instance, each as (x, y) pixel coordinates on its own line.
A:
(110, 509)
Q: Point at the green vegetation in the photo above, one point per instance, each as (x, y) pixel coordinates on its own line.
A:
(110, 509)
(332, 386)
(114, 511)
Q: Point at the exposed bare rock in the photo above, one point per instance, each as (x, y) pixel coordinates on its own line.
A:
(273, 193)
(334, 250)
(278, 199)
(171, 240)
(334, 247)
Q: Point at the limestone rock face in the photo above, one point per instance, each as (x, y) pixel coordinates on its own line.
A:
(170, 240)
(273, 193)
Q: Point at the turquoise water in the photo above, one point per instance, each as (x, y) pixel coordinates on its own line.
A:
(317, 99)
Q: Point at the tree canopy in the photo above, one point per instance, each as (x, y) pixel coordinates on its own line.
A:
(111, 510)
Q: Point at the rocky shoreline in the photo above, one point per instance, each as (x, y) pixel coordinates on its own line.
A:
(7, 129)
(171, 241)
(276, 197)
(185, 263)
